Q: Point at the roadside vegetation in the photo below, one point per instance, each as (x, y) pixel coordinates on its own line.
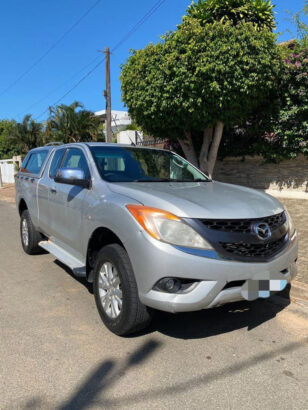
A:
(66, 123)
(219, 85)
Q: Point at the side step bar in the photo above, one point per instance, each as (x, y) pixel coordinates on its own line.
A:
(63, 256)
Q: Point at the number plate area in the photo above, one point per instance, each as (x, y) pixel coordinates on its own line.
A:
(263, 287)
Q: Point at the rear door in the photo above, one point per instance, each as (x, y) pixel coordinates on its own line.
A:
(28, 178)
(67, 204)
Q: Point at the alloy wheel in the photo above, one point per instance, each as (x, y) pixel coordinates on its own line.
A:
(110, 291)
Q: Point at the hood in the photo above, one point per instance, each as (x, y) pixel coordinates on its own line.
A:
(213, 200)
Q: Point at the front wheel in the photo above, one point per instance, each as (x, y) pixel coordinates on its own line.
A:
(116, 293)
(30, 237)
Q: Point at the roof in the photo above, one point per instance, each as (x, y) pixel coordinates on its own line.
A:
(120, 115)
(91, 144)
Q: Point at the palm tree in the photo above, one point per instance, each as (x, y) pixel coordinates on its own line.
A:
(27, 134)
(68, 124)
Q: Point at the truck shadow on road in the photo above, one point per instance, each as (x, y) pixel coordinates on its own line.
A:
(206, 323)
(211, 322)
(83, 281)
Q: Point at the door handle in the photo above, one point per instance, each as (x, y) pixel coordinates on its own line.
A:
(53, 190)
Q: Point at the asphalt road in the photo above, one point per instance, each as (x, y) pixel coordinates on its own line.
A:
(56, 354)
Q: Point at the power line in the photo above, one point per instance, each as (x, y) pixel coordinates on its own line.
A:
(54, 45)
(76, 85)
(149, 14)
(58, 87)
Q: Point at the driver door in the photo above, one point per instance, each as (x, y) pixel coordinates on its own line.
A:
(67, 205)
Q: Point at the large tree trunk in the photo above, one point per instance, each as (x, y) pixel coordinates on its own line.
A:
(188, 148)
(210, 146)
(209, 150)
(207, 140)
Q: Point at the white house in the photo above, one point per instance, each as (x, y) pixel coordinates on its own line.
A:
(119, 119)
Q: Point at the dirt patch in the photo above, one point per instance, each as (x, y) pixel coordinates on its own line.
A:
(293, 322)
(7, 193)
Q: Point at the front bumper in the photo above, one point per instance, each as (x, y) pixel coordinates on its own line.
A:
(153, 260)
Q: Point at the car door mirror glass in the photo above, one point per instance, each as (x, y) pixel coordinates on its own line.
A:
(72, 176)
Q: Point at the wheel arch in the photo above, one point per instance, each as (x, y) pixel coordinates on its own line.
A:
(22, 206)
(100, 237)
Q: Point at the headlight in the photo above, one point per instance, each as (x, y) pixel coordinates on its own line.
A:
(167, 227)
(290, 223)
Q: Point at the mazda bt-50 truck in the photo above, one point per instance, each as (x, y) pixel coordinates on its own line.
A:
(151, 231)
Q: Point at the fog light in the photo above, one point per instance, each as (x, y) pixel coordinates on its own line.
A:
(170, 285)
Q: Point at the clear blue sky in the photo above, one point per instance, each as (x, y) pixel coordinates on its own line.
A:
(29, 28)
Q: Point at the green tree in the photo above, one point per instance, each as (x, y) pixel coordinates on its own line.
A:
(7, 149)
(258, 12)
(284, 134)
(72, 123)
(199, 79)
(289, 134)
(26, 135)
(301, 26)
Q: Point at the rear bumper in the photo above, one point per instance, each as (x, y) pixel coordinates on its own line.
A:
(155, 260)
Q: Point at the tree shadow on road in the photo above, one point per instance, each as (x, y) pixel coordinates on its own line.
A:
(93, 390)
(106, 375)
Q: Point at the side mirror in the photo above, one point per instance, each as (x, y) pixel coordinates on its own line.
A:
(72, 176)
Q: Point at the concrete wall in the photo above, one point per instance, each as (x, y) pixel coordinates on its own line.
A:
(253, 172)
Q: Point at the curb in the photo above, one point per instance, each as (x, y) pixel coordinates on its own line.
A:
(285, 194)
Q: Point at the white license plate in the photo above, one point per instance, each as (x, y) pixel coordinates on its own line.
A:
(254, 289)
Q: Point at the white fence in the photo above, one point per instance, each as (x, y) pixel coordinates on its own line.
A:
(7, 171)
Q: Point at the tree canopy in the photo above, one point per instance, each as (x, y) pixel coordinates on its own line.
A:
(289, 134)
(258, 12)
(201, 77)
(72, 123)
(26, 135)
(7, 148)
(66, 123)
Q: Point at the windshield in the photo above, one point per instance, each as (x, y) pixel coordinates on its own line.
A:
(128, 164)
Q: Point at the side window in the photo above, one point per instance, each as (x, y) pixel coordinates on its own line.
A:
(56, 162)
(75, 158)
(24, 162)
(35, 162)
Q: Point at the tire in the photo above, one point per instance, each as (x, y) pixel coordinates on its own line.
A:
(130, 315)
(30, 238)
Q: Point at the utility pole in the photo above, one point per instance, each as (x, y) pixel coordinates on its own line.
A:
(107, 95)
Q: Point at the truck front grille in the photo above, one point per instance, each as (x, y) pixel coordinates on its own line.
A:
(244, 225)
(252, 250)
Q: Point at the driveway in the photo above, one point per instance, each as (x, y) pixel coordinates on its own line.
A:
(56, 354)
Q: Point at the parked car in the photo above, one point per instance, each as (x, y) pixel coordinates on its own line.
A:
(151, 231)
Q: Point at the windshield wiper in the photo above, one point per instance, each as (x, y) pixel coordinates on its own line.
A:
(153, 180)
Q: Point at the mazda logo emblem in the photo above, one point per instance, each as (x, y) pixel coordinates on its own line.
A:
(262, 230)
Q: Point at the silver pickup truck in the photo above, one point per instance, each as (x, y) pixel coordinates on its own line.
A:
(151, 231)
